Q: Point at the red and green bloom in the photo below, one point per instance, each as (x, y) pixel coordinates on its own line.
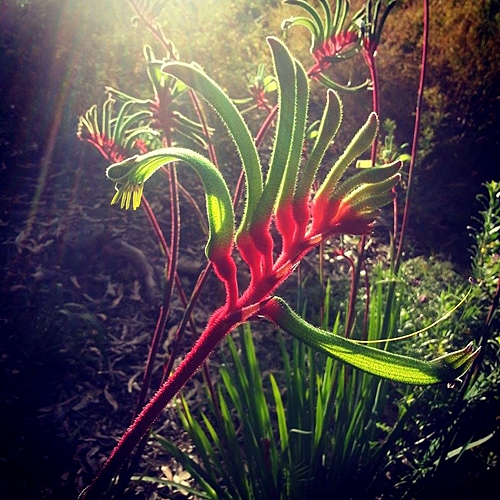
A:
(284, 199)
(333, 48)
(333, 38)
(302, 218)
(102, 136)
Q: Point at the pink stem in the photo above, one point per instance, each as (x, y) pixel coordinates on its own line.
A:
(416, 133)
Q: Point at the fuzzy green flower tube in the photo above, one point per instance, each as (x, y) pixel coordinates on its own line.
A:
(131, 174)
(359, 144)
(194, 77)
(396, 367)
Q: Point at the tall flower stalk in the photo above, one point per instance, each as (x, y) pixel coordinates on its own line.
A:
(303, 219)
(416, 132)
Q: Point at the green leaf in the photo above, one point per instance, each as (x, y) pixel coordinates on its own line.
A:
(213, 491)
(378, 362)
(280, 414)
(458, 451)
(178, 487)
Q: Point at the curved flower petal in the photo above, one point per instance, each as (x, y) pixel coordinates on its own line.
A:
(447, 368)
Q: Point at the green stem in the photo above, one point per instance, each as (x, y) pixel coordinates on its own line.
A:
(414, 150)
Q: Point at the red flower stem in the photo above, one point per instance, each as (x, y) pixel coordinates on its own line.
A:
(129, 467)
(175, 234)
(164, 311)
(172, 256)
(203, 122)
(211, 390)
(395, 213)
(220, 324)
(240, 185)
(195, 206)
(265, 126)
(416, 133)
(156, 31)
(187, 317)
(162, 317)
(215, 331)
(153, 350)
(322, 265)
(414, 149)
(155, 226)
(159, 329)
(367, 302)
(166, 251)
(356, 272)
(170, 280)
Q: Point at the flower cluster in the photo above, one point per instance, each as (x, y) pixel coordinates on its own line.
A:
(333, 48)
(286, 198)
(89, 131)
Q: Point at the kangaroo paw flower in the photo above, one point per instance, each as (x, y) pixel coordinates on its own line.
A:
(447, 368)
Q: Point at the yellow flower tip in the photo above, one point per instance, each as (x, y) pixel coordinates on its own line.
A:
(116, 197)
(128, 194)
(137, 196)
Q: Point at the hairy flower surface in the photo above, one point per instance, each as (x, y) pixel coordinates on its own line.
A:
(333, 48)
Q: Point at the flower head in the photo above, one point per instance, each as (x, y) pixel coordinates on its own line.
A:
(113, 136)
(129, 183)
(336, 47)
(128, 192)
(89, 130)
